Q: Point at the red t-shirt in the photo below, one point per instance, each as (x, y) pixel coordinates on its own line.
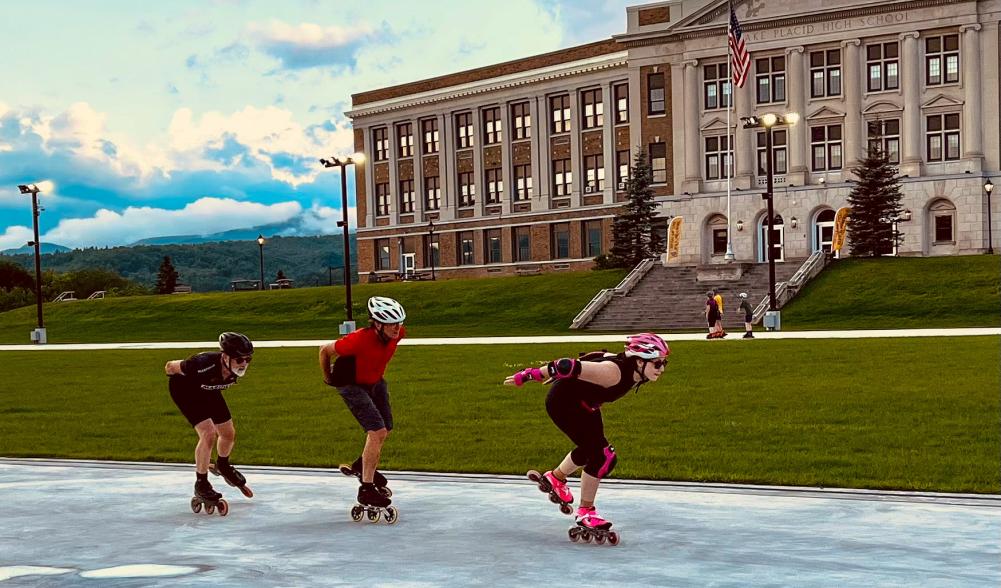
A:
(371, 354)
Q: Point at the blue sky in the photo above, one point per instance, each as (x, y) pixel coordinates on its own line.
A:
(178, 117)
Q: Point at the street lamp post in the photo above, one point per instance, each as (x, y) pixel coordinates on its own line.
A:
(989, 187)
(767, 122)
(342, 162)
(260, 243)
(431, 246)
(39, 335)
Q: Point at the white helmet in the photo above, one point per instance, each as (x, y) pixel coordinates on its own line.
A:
(743, 294)
(386, 310)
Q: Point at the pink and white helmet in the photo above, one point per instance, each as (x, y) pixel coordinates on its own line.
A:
(646, 346)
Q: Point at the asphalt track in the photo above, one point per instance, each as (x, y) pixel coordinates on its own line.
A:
(78, 523)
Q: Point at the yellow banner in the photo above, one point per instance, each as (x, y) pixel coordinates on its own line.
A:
(674, 237)
(840, 228)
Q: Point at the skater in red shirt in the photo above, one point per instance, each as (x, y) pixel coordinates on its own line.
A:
(574, 402)
(362, 357)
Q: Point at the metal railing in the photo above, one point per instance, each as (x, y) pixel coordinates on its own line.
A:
(604, 296)
(785, 291)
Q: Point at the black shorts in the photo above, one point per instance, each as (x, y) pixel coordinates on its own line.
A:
(583, 426)
(197, 405)
(369, 405)
(748, 318)
(712, 319)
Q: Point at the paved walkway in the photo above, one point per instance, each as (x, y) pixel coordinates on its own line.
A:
(71, 523)
(763, 335)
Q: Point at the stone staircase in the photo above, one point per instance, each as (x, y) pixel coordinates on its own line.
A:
(672, 298)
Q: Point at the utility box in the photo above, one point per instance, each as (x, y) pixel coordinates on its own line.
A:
(38, 336)
(773, 320)
(347, 327)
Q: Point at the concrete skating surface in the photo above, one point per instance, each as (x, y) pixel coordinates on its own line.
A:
(70, 523)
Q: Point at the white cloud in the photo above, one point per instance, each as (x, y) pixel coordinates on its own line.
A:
(307, 35)
(322, 220)
(15, 237)
(202, 217)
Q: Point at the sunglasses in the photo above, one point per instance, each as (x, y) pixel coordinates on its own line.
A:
(242, 359)
(659, 364)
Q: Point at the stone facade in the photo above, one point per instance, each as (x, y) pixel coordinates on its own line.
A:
(925, 72)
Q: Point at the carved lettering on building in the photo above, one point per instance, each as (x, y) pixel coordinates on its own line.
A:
(833, 26)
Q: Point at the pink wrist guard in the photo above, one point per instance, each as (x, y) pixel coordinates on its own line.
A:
(528, 374)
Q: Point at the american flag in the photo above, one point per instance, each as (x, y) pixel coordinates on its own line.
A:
(741, 60)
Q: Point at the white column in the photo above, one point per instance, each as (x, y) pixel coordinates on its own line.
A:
(990, 71)
(797, 134)
(693, 171)
(973, 122)
(910, 160)
(852, 87)
(745, 140)
(678, 139)
(608, 142)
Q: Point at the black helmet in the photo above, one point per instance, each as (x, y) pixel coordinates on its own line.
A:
(235, 345)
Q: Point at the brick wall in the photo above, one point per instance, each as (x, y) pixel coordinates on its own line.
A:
(659, 126)
(361, 199)
(651, 16)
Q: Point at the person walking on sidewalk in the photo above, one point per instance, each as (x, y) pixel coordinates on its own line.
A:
(720, 333)
(745, 307)
(712, 314)
(580, 388)
(196, 386)
(364, 390)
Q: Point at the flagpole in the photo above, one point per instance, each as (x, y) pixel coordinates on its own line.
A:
(729, 257)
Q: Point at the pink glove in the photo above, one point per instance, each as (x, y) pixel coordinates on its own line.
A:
(528, 374)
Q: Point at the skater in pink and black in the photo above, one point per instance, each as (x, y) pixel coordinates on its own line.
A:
(580, 387)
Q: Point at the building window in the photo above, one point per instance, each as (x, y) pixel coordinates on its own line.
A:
(521, 121)
(942, 60)
(381, 199)
(561, 241)
(658, 162)
(655, 93)
(522, 182)
(522, 244)
(825, 73)
(825, 142)
(467, 189)
(429, 130)
(495, 185)
(560, 107)
(406, 196)
(719, 241)
(492, 240)
(943, 228)
(943, 137)
(405, 140)
(492, 126)
(432, 193)
(380, 137)
(778, 152)
(464, 130)
(882, 65)
(465, 248)
(593, 108)
(382, 254)
(594, 173)
(885, 135)
(592, 238)
(432, 255)
(620, 93)
(719, 158)
(621, 170)
(562, 177)
(716, 86)
(770, 78)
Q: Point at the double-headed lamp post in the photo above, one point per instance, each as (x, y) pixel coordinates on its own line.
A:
(431, 246)
(989, 187)
(260, 243)
(39, 335)
(343, 162)
(767, 122)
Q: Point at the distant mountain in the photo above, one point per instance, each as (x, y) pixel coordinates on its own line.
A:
(43, 249)
(245, 234)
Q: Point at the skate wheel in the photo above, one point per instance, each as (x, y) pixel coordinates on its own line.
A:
(374, 516)
(613, 538)
(554, 499)
(196, 506)
(357, 513)
(574, 534)
(392, 515)
(566, 508)
(534, 476)
(385, 491)
(209, 509)
(585, 536)
(247, 491)
(599, 539)
(223, 508)
(346, 470)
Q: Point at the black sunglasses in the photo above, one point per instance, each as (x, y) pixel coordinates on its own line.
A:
(659, 364)
(243, 359)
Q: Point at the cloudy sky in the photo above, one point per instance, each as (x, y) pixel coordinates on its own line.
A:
(150, 119)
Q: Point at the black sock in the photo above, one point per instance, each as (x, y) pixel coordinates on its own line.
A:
(201, 477)
(222, 461)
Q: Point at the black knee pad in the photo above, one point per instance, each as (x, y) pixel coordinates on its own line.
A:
(600, 463)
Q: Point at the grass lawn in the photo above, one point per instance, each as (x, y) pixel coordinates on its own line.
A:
(897, 293)
(920, 414)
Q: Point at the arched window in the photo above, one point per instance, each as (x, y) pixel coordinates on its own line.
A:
(717, 228)
(943, 222)
(823, 231)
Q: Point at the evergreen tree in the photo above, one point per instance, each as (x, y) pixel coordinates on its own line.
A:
(875, 202)
(634, 236)
(166, 279)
